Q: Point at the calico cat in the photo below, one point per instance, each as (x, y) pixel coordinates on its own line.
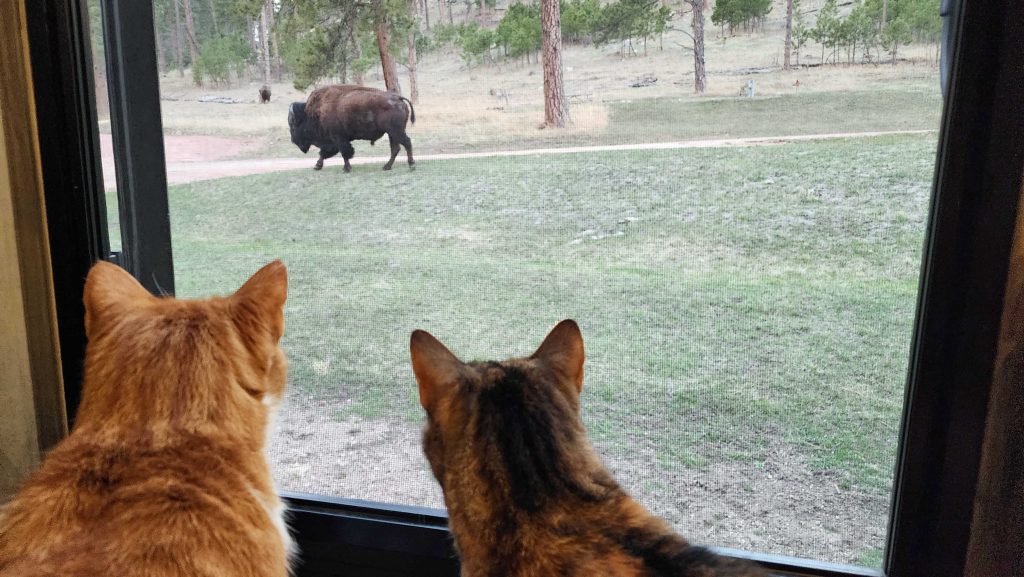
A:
(527, 495)
(163, 474)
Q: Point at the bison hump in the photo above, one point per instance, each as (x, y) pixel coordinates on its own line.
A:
(322, 99)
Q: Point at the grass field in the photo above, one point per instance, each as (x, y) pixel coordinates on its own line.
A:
(726, 295)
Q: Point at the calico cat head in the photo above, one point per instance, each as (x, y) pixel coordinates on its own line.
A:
(508, 433)
(163, 366)
(527, 495)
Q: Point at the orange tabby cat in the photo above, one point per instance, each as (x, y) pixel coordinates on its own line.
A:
(164, 473)
(527, 495)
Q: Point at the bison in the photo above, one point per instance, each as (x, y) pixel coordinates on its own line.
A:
(264, 94)
(333, 116)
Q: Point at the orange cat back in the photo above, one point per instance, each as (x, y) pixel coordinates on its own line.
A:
(163, 474)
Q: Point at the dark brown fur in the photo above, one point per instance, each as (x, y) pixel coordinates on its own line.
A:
(333, 116)
(264, 94)
(527, 495)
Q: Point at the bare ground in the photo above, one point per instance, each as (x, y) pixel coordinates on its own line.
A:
(197, 158)
(783, 507)
(181, 153)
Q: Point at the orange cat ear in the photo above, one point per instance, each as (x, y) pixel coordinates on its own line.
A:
(562, 351)
(109, 284)
(434, 365)
(261, 298)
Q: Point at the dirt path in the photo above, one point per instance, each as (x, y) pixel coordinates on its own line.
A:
(196, 158)
(181, 151)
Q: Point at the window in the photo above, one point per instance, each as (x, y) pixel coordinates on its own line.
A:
(766, 243)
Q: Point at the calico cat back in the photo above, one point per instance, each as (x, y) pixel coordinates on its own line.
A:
(527, 495)
(163, 474)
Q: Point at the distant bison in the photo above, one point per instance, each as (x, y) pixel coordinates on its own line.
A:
(264, 94)
(333, 116)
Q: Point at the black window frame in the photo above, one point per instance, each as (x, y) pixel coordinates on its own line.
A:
(977, 183)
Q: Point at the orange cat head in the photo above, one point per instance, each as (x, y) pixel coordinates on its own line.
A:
(162, 366)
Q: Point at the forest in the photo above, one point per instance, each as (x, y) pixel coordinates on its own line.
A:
(309, 41)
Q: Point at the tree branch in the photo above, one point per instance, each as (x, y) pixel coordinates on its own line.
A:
(684, 47)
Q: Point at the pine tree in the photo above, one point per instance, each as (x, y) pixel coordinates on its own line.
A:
(556, 105)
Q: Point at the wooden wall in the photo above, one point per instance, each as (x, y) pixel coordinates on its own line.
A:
(31, 393)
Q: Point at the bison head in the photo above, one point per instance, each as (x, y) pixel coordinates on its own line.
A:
(296, 119)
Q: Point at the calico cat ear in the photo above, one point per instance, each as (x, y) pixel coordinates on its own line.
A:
(261, 298)
(106, 285)
(562, 351)
(434, 365)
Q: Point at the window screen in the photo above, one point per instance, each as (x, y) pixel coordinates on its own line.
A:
(734, 219)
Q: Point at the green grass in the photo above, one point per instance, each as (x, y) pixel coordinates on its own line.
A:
(803, 113)
(729, 298)
(871, 558)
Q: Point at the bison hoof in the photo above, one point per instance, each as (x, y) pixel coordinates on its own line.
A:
(317, 166)
(348, 169)
(387, 167)
(412, 167)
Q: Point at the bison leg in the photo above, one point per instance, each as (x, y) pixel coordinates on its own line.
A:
(408, 150)
(325, 153)
(347, 152)
(394, 152)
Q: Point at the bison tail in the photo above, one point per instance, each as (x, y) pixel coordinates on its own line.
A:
(412, 111)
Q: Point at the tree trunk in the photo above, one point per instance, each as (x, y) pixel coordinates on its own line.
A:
(789, 35)
(193, 44)
(699, 74)
(254, 46)
(161, 58)
(265, 44)
(414, 90)
(556, 106)
(451, 20)
(426, 14)
(387, 63)
(357, 53)
(250, 25)
(213, 16)
(275, 45)
(178, 40)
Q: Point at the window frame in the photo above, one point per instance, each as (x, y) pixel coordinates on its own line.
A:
(963, 277)
(136, 128)
(76, 217)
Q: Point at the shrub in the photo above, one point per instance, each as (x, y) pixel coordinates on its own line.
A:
(221, 57)
(579, 19)
(519, 30)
